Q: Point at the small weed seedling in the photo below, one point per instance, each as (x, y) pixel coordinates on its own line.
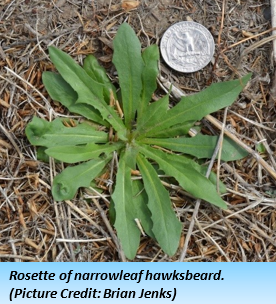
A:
(146, 136)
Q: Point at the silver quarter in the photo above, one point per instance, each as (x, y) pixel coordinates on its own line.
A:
(187, 46)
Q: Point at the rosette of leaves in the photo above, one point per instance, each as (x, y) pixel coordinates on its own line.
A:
(150, 137)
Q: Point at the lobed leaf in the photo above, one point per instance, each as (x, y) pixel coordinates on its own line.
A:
(140, 200)
(189, 179)
(150, 72)
(130, 155)
(66, 184)
(201, 146)
(74, 154)
(129, 64)
(125, 225)
(49, 134)
(98, 73)
(60, 90)
(181, 161)
(176, 130)
(195, 107)
(89, 91)
(152, 116)
(166, 226)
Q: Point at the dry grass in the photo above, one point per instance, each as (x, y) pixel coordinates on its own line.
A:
(35, 228)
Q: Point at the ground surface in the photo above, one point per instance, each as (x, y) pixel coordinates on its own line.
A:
(34, 228)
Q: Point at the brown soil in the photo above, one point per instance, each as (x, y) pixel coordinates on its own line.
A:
(33, 227)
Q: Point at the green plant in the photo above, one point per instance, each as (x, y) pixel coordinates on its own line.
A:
(138, 138)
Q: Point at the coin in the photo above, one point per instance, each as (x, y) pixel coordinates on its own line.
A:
(187, 46)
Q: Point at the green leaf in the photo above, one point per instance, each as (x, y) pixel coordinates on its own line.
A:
(195, 107)
(213, 179)
(181, 161)
(130, 155)
(112, 212)
(89, 92)
(98, 73)
(125, 225)
(166, 226)
(140, 200)
(129, 64)
(49, 134)
(261, 148)
(41, 155)
(150, 72)
(153, 115)
(73, 154)
(190, 179)
(66, 184)
(60, 90)
(176, 130)
(201, 146)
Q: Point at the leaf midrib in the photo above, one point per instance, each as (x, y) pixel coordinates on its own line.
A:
(123, 208)
(156, 196)
(100, 162)
(130, 98)
(175, 117)
(166, 143)
(161, 161)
